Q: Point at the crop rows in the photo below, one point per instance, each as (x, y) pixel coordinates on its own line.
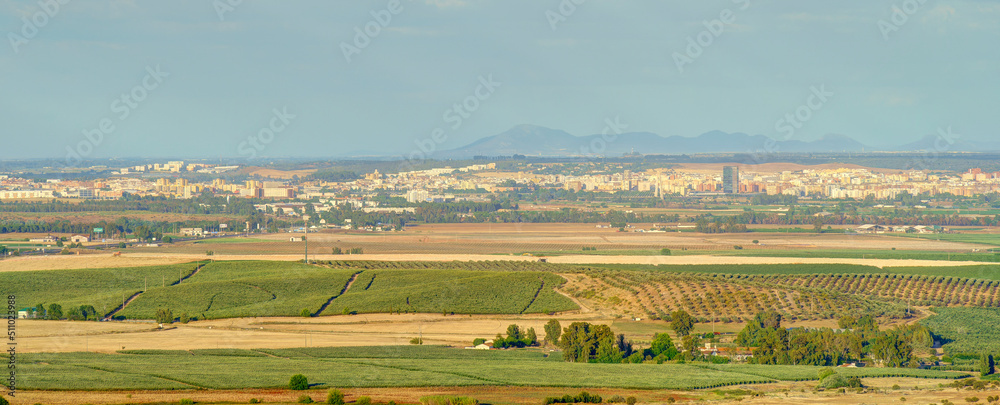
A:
(731, 298)
(391, 367)
(453, 291)
(966, 330)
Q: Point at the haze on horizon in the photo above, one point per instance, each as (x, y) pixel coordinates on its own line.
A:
(213, 73)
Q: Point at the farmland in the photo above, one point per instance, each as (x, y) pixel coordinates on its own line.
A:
(105, 289)
(391, 366)
(967, 330)
(453, 291)
(236, 289)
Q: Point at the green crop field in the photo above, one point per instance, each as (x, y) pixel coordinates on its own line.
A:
(102, 288)
(458, 291)
(392, 366)
(236, 289)
(966, 330)
(253, 288)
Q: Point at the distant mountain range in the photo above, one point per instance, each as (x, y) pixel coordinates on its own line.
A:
(533, 140)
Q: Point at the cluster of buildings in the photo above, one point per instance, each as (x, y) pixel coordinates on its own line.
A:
(475, 182)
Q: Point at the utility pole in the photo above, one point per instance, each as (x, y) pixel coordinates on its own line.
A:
(305, 219)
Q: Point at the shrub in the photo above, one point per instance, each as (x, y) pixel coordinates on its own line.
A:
(665, 252)
(254, 401)
(306, 313)
(631, 400)
(446, 400)
(187, 402)
(363, 401)
(616, 399)
(839, 381)
(305, 399)
(298, 382)
(335, 397)
(416, 341)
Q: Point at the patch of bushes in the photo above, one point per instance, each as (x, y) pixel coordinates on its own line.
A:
(581, 398)
(446, 400)
(335, 397)
(298, 382)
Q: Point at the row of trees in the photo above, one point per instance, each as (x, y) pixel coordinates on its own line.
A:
(515, 338)
(56, 312)
(825, 347)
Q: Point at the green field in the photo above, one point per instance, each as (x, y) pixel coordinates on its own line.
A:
(236, 289)
(966, 330)
(252, 288)
(391, 366)
(458, 291)
(102, 288)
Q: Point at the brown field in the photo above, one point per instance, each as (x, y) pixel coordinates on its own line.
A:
(86, 261)
(256, 333)
(519, 238)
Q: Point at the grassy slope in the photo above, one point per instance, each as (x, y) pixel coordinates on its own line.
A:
(102, 288)
(459, 291)
(234, 289)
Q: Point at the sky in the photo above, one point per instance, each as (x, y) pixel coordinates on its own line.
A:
(323, 78)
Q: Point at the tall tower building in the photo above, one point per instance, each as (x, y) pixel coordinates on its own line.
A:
(731, 180)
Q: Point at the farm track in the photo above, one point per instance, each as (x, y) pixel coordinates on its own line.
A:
(122, 306)
(342, 292)
(196, 270)
(539, 291)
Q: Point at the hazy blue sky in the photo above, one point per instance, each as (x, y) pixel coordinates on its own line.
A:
(937, 67)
